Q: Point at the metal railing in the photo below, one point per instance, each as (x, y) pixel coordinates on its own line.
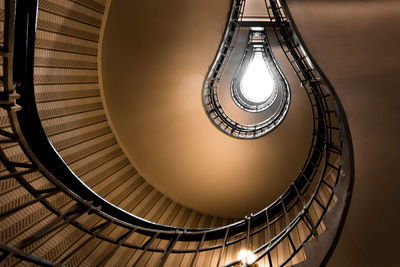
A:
(292, 220)
(211, 102)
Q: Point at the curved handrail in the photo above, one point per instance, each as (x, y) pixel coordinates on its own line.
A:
(312, 80)
(211, 103)
(29, 134)
(43, 154)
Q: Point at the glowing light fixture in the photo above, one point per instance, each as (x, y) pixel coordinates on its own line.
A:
(242, 255)
(257, 84)
(246, 257)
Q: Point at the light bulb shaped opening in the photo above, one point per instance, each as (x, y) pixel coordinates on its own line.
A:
(257, 83)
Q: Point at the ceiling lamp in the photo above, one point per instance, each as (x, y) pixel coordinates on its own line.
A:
(248, 72)
(247, 258)
(255, 84)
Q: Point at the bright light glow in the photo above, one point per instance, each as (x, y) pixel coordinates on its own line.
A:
(246, 256)
(242, 255)
(257, 83)
(251, 259)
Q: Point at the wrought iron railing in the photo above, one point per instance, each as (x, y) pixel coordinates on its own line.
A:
(211, 102)
(286, 225)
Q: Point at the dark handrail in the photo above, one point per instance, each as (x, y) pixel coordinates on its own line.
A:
(51, 164)
(33, 140)
(31, 128)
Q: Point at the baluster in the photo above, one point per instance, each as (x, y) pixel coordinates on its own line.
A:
(145, 248)
(93, 233)
(199, 245)
(223, 246)
(120, 241)
(168, 250)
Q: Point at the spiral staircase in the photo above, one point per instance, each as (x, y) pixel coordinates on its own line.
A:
(69, 195)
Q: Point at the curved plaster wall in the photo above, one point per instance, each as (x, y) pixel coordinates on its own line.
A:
(155, 57)
(69, 104)
(362, 38)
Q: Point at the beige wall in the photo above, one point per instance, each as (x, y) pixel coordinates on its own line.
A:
(154, 65)
(69, 104)
(356, 44)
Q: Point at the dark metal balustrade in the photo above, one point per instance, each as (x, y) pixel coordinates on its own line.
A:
(299, 211)
(212, 105)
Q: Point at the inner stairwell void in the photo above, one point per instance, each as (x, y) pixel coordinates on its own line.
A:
(70, 196)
